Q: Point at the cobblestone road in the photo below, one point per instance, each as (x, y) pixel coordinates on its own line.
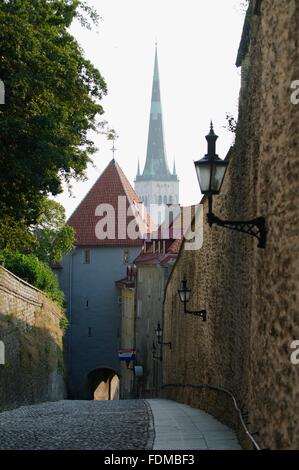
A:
(113, 425)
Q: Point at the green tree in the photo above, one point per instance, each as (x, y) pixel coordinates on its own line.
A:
(54, 237)
(15, 236)
(52, 102)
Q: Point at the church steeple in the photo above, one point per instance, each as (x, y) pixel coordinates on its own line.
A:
(157, 187)
(156, 167)
(138, 169)
(174, 169)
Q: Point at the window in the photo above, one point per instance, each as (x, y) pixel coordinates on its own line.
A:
(126, 256)
(89, 331)
(86, 255)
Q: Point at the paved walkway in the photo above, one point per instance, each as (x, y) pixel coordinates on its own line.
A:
(180, 427)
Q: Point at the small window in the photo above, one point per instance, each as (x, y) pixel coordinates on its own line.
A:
(86, 256)
(89, 331)
(126, 256)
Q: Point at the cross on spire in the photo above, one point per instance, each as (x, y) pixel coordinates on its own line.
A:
(113, 150)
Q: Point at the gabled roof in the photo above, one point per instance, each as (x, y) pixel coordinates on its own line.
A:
(110, 185)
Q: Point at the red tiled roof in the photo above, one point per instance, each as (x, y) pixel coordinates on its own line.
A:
(171, 252)
(110, 185)
(125, 282)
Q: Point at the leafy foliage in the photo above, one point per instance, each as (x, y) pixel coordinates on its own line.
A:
(15, 236)
(53, 98)
(33, 271)
(54, 237)
(231, 123)
(64, 323)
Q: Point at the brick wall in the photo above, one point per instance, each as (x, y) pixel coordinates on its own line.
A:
(29, 329)
(251, 294)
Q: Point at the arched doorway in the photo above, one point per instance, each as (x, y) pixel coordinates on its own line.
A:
(103, 384)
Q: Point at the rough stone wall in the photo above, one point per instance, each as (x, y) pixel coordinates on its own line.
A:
(149, 313)
(251, 294)
(30, 331)
(127, 340)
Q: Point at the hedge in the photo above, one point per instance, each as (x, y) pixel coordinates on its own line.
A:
(33, 271)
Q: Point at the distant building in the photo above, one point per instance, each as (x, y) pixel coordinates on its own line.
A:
(88, 278)
(156, 185)
(154, 265)
(126, 288)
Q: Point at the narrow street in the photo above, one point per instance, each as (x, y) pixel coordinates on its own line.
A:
(112, 425)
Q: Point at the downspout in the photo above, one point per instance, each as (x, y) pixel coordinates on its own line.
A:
(70, 310)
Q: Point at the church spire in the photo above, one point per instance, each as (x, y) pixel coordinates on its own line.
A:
(174, 169)
(156, 167)
(138, 169)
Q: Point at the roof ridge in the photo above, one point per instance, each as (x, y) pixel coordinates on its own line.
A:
(90, 189)
(111, 184)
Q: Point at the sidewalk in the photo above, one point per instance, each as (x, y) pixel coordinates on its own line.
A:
(179, 427)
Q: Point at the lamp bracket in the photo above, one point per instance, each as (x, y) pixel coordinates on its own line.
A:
(200, 313)
(165, 344)
(256, 227)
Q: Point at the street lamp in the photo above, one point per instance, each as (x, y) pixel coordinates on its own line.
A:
(159, 334)
(184, 293)
(210, 172)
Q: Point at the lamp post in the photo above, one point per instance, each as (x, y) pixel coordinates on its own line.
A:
(159, 334)
(154, 349)
(184, 293)
(210, 172)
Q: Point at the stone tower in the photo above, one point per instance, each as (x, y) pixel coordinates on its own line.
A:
(156, 185)
(87, 277)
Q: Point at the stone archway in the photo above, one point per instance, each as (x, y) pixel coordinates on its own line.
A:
(103, 384)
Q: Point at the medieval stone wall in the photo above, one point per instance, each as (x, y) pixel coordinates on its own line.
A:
(251, 294)
(30, 331)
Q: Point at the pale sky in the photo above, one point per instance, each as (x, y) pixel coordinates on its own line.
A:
(197, 47)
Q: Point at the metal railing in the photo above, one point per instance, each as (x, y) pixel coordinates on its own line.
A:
(227, 392)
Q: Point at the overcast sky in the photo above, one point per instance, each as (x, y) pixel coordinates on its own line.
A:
(197, 47)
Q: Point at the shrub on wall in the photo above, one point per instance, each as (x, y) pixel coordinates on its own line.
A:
(33, 271)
